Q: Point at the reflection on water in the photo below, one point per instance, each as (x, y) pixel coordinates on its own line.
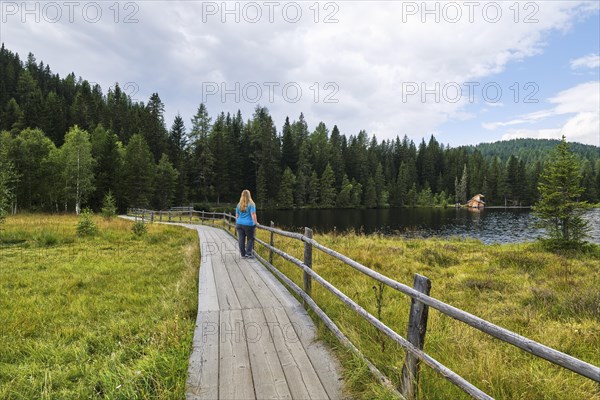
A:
(489, 225)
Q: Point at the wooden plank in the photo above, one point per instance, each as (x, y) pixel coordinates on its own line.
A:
(268, 290)
(203, 370)
(303, 380)
(235, 375)
(242, 288)
(283, 295)
(207, 288)
(267, 372)
(244, 292)
(226, 293)
(323, 361)
(228, 245)
(261, 289)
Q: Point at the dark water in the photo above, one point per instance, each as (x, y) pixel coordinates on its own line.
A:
(489, 225)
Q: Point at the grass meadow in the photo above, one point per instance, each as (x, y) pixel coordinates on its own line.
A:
(109, 316)
(551, 298)
(112, 316)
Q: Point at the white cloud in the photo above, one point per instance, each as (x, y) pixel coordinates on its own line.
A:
(581, 107)
(589, 61)
(370, 53)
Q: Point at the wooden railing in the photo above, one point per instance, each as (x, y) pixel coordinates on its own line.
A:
(417, 324)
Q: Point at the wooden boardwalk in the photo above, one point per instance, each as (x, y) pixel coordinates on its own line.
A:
(253, 339)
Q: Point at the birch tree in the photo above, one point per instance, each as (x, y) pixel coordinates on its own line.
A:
(78, 167)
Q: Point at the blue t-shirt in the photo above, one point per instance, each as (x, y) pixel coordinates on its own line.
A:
(245, 218)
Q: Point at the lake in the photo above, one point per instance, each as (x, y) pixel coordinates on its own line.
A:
(488, 225)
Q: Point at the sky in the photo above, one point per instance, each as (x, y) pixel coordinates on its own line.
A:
(466, 72)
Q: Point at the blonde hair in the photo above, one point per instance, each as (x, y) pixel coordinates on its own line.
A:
(245, 199)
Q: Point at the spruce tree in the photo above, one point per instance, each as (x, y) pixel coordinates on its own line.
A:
(425, 197)
(178, 144)
(336, 157)
(29, 152)
(402, 185)
(461, 190)
(357, 190)
(30, 100)
(8, 177)
(265, 151)
(381, 193)
(327, 192)
(370, 194)
(289, 148)
(220, 148)
(202, 159)
(285, 198)
(154, 129)
(300, 189)
(177, 140)
(262, 191)
(411, 196)
(13, 117)
(344, 198)
(165, 183)
(138, 173)
(109, 206)
(54, 118)
(559, 209)
(313, 189)
(107, 151)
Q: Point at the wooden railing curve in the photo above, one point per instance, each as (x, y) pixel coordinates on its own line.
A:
(420, 301)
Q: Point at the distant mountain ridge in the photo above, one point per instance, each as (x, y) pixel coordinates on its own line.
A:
(530, 150)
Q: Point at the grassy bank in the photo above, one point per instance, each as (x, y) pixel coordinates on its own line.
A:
(551, 298)
(111, 316)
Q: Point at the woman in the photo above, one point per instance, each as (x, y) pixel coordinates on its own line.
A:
(245, 224)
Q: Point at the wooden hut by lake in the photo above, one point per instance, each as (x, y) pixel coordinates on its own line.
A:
(476, 201)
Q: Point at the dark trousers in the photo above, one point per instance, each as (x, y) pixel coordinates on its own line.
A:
(245, 232)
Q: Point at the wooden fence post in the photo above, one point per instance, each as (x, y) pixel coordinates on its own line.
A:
(202, 217)
(160, 216)
(308, 261)
(417, 326)
(180, 213)
(169, 214)
(271, 242)
(191, 210)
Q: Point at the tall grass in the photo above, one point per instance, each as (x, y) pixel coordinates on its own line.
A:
(109, 316)
(551, 298)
